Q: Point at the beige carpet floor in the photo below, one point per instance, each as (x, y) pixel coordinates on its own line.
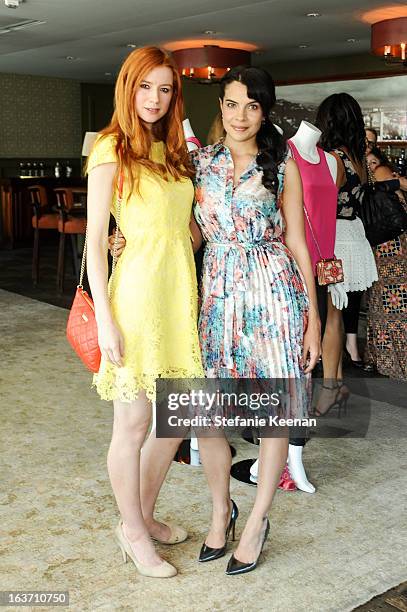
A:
(328, 552)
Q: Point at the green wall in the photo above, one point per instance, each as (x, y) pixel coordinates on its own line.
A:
(44, 117)
(201, 106)
(39, 117)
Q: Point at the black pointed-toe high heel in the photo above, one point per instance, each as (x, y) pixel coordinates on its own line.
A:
(210, 554)
(237, 567)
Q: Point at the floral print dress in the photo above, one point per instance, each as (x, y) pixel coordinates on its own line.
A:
(254, 303)
(350, 195)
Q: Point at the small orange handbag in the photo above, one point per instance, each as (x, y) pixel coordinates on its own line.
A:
(81, 329)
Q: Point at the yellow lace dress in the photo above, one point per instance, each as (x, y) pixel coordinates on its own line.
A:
(154, 288)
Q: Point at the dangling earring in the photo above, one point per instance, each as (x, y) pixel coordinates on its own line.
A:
(263, 121)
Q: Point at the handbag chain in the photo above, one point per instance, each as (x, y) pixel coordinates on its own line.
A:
(313, 235)
(116, 236)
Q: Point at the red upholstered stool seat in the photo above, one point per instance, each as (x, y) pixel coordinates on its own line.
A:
(72, 225)
(47, 221)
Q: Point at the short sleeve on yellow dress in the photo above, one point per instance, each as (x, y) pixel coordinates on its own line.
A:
(154, 288)
(103, 152)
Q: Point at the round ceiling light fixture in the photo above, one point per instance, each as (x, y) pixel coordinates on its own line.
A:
(389, 40)
(209, 63)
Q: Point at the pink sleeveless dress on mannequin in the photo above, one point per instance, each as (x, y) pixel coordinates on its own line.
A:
(320, 195)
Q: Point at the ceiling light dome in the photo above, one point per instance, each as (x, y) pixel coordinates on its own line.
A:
(209, 63)
(389, 39)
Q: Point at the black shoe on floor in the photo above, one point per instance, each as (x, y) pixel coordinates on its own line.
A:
(210, 554)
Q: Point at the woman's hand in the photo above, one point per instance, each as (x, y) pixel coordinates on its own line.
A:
(111, 342)
(121, 244)
(312, 344)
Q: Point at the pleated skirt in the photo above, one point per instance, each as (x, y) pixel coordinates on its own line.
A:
(253, 311)
(253, 315)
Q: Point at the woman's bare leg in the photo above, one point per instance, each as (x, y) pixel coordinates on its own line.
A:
(156, 458)
(333, 341)
(272, 459)
(331, 357)
(216, 459)
(130, 426)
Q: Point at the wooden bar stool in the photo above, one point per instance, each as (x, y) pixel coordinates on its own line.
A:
(72, 222)
(43, 219)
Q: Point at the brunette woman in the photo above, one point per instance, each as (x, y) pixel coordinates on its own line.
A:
(258, 315)
(340, 120)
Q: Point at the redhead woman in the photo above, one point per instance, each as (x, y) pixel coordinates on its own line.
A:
(147, 327)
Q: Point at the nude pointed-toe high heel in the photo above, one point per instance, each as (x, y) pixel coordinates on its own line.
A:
(164, 570)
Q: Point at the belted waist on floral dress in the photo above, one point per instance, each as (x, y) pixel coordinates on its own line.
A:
(239, 244)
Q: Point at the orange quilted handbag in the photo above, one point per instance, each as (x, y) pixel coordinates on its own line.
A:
(81, 329)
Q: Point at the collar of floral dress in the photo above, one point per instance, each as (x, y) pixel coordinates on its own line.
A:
(219, 145)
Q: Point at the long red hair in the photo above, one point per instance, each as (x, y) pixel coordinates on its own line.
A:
(133, 137)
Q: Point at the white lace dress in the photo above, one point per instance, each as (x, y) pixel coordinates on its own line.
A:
(351, 245)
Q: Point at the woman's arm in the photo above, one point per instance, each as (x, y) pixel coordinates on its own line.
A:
(100, 189)
(295, 241)
(196, 235)
(382, 173)
(341, 175)
(386, 177)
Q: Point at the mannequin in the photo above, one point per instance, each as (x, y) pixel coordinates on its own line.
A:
(191, 140)
(305, 148)
(305, 140)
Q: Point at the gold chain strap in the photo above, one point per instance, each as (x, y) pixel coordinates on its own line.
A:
(83, 263)
(312, 232)
(116, 239)
(116, 234)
